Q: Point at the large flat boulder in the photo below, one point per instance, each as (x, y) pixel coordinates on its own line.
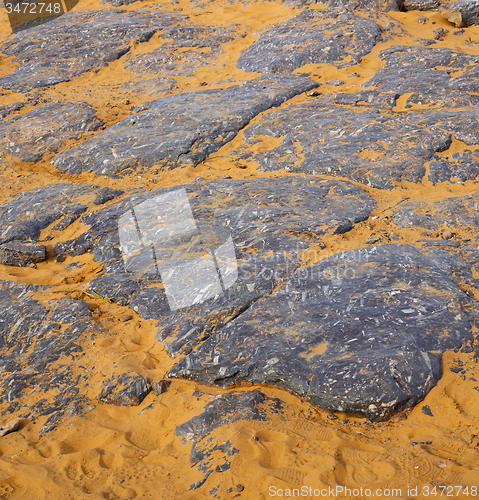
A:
(455, 213)
(77, 42)
(360, 332)
(433, 76)
(364, 142)
(39, 351)
(24, 215)
(256, 231)
(46, 128)
(312, 37)
(178, 130)
(191, 47)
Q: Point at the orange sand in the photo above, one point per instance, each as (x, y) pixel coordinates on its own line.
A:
(123, 453)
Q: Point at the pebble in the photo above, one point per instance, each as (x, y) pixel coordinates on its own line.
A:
(313, 93)
(371, 241)
(335, 82)
(394, 237)
(239, 487)
(126, 317)
(447, 235)
(422, 19)
(12, 426)
(332, 416)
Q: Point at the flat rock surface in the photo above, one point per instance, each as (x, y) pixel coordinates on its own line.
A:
(268, 223)
(24, 215)
(343, 333)
(432, 75)
(379, 149)
(314, 36)
(178, 130)
(38, 346)
(77, 42)
(209, 453)
(455, 213)
(191, 47)
(46, 128)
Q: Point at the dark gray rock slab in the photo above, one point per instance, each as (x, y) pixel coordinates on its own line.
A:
(434, 76)
(267, 222)
(210, 452)
(46, 128)
(456, 212)
(171, 58)
(372, 6)
(118, 3)
(77, 42)
(150, 86)
(24, 215)
(419, 4)
(128, 389)
(343, 333)
(459, 263)
(379, 149)
(314, 36)
(178, 130)
(40, 352)
(462, 13)
(9, 108)
(21, 253)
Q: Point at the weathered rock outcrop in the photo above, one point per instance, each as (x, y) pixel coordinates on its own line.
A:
(268, 222)
(24, 215)
(39, 346)
(343, 333)
(376, 148)
(46, 128)
(77, 42)
(314, 36)
(178, 130)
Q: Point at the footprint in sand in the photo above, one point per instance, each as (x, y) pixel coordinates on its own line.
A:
(360, 463)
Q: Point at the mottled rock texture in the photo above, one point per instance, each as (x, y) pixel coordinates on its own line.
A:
(269, 222)
(314, 36)
(24, 215)
(343, 333)
(379, 149)
(46, 128)
(77, 42)
(178, 130)
(39, 345)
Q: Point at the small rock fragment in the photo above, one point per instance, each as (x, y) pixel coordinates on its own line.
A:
(239, 487)
(12, 426)
(422, 19)
(442, 465)
(161, 386)
(21, 253)
(335, 82)
(394, 237)
(371, 241)
(439, 34)
(447, 235)
(427, 411)
(125, 317)
(313, 93)
(332, 416)
(453, 16)
(129, 389)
